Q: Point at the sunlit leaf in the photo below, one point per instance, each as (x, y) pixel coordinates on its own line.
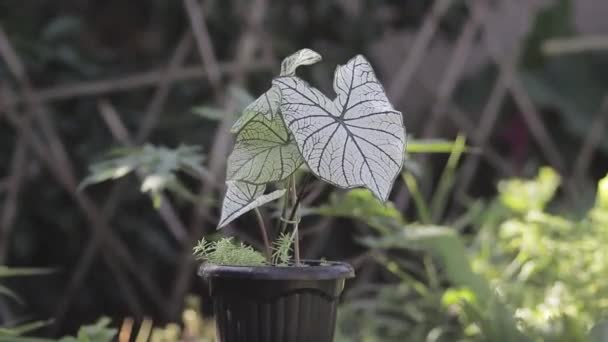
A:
(526, 195)
(361, 204)
(456, 296)
(445, 244)
(447, 180)
(301, 57)
(432, 146)
(6, 272)
(356, 140)
(266, 105)
(239, 97)
(601, 201)
(241, 197)
(157, 166)
(155, 183)
(264, 152)
(98, 332)
(210, 113)
(108, 170)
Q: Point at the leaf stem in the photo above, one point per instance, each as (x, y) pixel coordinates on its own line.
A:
(296, 197)
(296, 235)
(282, 224)
(267, 248)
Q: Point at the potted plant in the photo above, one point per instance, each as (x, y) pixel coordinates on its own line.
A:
(355, 140)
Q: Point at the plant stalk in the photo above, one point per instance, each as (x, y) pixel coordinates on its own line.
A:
(296, 234)
(282, 224)
(267, 248)
(296, 197)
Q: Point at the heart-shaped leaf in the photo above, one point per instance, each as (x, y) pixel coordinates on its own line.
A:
(241, 197)
(264, 152)
(357, 139)
(266, 105)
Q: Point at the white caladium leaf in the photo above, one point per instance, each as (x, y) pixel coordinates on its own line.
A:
(242, 197)
(356, 140)
(301, 57)
(266, 105)
(264, 152)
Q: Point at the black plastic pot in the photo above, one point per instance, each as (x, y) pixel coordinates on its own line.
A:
(276, 303)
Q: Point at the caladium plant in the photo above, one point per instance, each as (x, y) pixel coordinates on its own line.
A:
(355, 140)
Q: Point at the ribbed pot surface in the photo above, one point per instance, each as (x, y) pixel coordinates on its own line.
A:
(276, 304)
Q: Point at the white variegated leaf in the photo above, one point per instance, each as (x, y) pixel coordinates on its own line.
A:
(266, 105)
(356, 140)
(301, 57)
(241, 197)
(264, 152)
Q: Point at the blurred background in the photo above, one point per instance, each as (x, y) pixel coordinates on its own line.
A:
(495, 230)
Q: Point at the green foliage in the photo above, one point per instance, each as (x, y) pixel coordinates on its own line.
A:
(156, 165)
(281, 251)
(494, 319)
(98, 332)
(433, 210)
(394, 313)
(14, 334)
(430, 318)
(362, 205)
(552, 21)
(193, 328)
(446, 181)
(9, 272)
(525, 195)
(569, 85)
(550, 267)
(526, 275)
(601, 202)
(479, 313)
(240, 98)
(435, 146)
(226, 252)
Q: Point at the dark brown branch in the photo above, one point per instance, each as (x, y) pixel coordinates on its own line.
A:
(135, 81)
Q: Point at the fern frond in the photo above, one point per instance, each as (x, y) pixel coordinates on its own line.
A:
(281, 250)
(226, 252)
(202, 249)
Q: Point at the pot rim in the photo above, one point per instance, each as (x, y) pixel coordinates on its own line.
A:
(311, 270)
